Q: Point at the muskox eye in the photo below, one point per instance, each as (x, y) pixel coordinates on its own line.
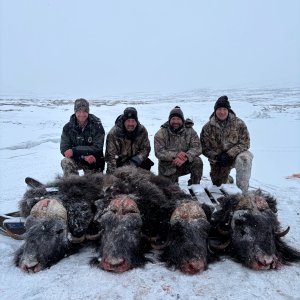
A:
(243, 232)
(238, 222)
(59, 231)
(130, 211)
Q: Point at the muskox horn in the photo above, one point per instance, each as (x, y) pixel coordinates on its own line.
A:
(160, 247)
(75, 240)
(219, 247)
(49, 208)
(223, 232)
(153, 241)
(282, 233)
(93, 237)
(209, 249)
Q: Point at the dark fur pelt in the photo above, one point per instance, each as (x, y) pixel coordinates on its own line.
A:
(229, 203)
(251, 222)
(69, 190)
(157, 197)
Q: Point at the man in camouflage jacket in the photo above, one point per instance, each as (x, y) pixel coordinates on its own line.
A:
(82, 141)
(177, 147)
(127, 143)
(225, 142)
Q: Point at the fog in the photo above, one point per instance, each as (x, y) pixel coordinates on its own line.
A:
(95, 48)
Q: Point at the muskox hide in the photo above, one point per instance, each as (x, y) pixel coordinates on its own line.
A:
(48, 228)
(249, 227)
(141, 216)
(186, 248)
(46, 238)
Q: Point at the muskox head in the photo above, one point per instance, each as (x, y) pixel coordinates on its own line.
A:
(46, 237)
(186, 248)
(78, 194)
(80, 216)
(121, 235)
(138, 213)
(250, 226)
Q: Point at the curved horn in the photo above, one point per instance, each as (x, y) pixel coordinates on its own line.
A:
(209, 249)
(223, 232)
(153, 240)
(282, 233)
(160, 247)
(219, 247)
(76, 240)
(93, 237)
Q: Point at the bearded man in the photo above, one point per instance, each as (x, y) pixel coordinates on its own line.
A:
(127, 143)
(177, 147)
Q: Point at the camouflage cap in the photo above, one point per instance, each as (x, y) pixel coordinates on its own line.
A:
(81, 104)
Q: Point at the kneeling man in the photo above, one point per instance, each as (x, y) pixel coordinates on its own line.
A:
(225, 142)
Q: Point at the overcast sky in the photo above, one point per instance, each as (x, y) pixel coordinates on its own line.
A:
(93, 48)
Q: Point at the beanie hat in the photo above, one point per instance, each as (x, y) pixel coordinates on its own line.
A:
(176, 112)
(81, 104)
(222, 102)
(130, 113)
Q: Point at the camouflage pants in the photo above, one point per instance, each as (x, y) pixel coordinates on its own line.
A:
(71, 167)
(242, 164)
(195, 168)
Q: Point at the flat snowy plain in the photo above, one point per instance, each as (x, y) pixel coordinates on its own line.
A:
(29, 146)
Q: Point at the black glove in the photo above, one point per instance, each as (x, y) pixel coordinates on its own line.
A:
(135, 160)
(223, 159)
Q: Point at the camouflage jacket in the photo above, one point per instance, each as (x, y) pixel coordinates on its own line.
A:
(88, 141)
(121, 146)
(233, 137)
(168, 144)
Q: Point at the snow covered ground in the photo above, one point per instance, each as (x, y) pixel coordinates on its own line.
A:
(29, 146)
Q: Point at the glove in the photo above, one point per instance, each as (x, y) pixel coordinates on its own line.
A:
(135, 160)
(223, 159)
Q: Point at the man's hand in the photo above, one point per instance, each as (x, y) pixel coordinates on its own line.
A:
(90, 159)
(179, 162)
(68, 153)
(182, 155)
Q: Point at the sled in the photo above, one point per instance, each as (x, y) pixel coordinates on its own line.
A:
(12, 225)
(209, 194)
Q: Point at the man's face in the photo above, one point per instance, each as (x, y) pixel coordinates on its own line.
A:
(222, 113)
(81, 116)
(130, 124)
(176, 122)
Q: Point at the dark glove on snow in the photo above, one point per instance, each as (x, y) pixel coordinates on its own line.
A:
(223, 159)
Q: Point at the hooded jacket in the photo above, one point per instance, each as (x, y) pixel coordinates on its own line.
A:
(168, 143)
(88, 141)
(122, 146)
(230, 136)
